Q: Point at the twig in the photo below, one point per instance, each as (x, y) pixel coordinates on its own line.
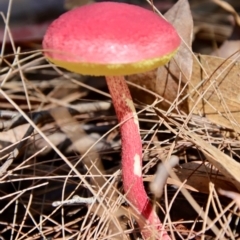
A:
(75, 200)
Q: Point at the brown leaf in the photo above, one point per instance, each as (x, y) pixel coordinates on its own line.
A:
(221, 161)
(232, 45)
(70, 4)
(179, 69)
(230, 48)
(199, 174)
(229, 8)
(214, 91)
(166, 80)
(225, 164)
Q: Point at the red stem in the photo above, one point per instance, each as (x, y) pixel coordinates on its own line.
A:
(132, 158)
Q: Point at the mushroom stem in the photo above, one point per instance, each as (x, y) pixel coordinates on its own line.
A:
(132, 158)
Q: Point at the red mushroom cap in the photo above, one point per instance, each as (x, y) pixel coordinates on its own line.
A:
(110, 38)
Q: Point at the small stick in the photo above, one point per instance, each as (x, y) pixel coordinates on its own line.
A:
(75, 200)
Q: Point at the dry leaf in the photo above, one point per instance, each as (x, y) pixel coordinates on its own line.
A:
(14, 135)
(225, 164)
(226, 6)
(203, 174)
(169, 78)
(70, 4)
(166, 80)
(199, 181)
(228, 48)
(232, 45)
(171, 181)
(10, 139)
(214, 91)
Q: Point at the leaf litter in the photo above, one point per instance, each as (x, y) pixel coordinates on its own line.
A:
(189, 108)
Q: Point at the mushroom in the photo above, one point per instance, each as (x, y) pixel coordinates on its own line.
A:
(115, 39)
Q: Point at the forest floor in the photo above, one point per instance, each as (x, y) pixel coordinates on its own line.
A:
(60, 147)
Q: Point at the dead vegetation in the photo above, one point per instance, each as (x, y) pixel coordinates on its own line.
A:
(60, 171)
